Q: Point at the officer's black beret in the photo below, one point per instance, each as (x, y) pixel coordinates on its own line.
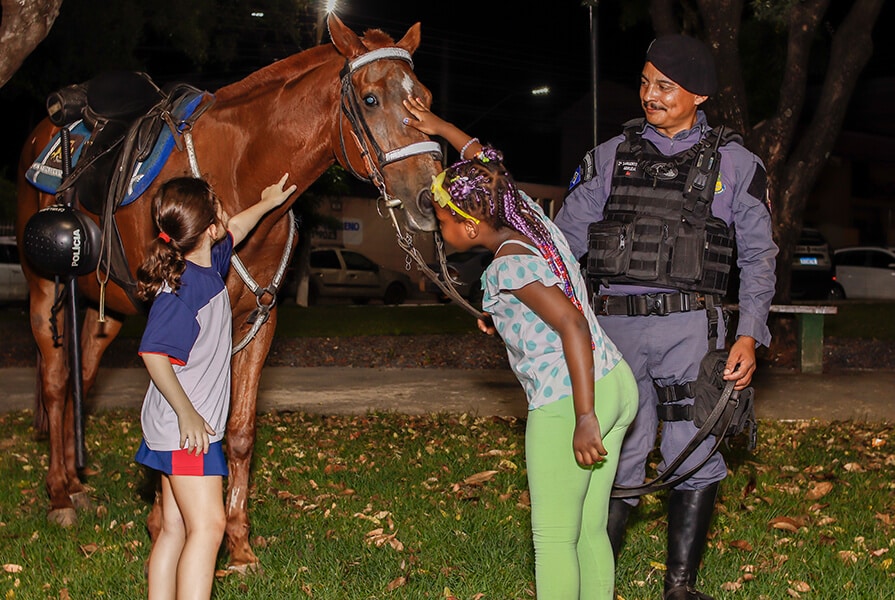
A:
(687, 61)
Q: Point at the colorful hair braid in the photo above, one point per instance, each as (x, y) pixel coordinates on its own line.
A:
(482, 185)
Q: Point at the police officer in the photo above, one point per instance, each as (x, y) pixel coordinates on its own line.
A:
(661, 212)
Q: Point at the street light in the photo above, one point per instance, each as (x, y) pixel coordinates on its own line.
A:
(537, 92)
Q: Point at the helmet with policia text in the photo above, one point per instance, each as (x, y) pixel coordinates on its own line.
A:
(60, 240)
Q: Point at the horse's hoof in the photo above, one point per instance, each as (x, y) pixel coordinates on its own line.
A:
(64, 517)
(82, 501)
(245, 569)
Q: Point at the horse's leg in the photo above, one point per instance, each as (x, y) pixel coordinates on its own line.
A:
(95, 339)
(247, 366)
(54, 392)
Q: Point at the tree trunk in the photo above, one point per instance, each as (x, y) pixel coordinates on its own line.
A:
(25, 24)
(796, 174)
(793, 158)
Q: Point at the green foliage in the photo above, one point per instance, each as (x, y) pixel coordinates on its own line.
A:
(382, 506)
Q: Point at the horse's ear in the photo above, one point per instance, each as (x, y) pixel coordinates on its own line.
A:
(411, 39)
(345, 40)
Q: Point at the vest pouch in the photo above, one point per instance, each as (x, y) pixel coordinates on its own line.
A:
(608, 248)
(649, 236)
(687, 253)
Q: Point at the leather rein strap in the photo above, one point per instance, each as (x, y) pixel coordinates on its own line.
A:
(364, 139)
(662, 481)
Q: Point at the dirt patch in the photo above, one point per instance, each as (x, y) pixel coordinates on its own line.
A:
(468, 351)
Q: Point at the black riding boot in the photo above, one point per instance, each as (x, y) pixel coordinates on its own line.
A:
(618, 522)
(689, 516)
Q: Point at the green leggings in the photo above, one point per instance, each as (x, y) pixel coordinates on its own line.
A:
(570, 503)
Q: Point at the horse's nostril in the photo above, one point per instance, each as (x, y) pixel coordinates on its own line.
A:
(424, 202)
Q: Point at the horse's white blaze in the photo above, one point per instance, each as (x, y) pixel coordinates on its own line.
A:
(407, 83)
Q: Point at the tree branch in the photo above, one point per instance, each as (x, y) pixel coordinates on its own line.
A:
(24, 25)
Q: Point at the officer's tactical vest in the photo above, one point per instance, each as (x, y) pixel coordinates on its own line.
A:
(657, 228)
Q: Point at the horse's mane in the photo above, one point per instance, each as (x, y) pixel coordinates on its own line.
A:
(282, 71)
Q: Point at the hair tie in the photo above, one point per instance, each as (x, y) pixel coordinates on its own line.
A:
(164, 237)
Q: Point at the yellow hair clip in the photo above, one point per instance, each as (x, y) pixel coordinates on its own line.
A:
(443, 198)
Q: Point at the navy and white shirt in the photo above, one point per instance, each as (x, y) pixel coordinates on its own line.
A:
(193, 327)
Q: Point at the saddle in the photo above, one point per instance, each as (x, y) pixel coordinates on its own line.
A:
(124, 126)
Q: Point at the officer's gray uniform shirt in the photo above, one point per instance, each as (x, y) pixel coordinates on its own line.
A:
(737, 202)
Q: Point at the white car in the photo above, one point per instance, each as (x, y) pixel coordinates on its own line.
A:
(13, 286)
(866, 272)
(340, 273)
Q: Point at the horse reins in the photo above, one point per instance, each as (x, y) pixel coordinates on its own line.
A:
(259, 316)
(362, 134)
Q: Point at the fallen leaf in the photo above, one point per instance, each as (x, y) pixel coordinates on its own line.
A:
(853, 467)
(847, 556)
(800, 586)
(89, 549)
(731, 586)
(396, 583)
(786, 523)
(741, 545)
(819, 490)
(479, 478)
(12, 568)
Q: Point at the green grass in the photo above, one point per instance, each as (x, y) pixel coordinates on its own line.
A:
(337, 320)
(321, 485)
(855, 319)
(868, 320)
(865, 320)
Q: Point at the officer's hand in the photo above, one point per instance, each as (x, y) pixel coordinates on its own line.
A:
(741, 362)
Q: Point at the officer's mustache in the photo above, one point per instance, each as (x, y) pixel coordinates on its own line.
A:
(653, 106)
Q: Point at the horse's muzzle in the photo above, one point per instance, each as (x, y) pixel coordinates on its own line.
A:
(426, 221)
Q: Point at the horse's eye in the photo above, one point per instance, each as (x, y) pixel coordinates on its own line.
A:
(370, 100)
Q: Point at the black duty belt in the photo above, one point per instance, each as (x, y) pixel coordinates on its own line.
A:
(649, 304)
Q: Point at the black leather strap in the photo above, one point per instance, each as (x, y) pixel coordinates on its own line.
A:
(649, 304)
(676, 392)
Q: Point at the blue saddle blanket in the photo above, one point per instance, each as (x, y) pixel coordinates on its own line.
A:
(45, 173)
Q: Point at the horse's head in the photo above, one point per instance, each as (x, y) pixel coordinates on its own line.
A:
(376, 145)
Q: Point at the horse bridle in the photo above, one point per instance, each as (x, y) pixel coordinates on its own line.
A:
(360, 129)
(364, 139)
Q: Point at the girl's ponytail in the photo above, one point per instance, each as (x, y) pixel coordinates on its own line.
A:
(183, 209)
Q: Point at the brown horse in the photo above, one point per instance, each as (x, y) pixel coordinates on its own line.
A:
(336, 102)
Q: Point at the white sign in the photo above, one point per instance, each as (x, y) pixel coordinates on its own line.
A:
(352, 232)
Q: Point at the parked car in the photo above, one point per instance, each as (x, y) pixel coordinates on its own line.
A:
(13, 286)
(866, 272)
(341, 273)
(813, 277)
(465, 270)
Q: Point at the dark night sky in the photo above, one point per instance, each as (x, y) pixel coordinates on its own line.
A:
(481, 59)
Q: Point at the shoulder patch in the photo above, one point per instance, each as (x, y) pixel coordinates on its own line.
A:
(758, 187)
(584, 172)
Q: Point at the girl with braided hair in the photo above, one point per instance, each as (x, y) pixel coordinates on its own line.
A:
(581, 393)
(186, 348)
